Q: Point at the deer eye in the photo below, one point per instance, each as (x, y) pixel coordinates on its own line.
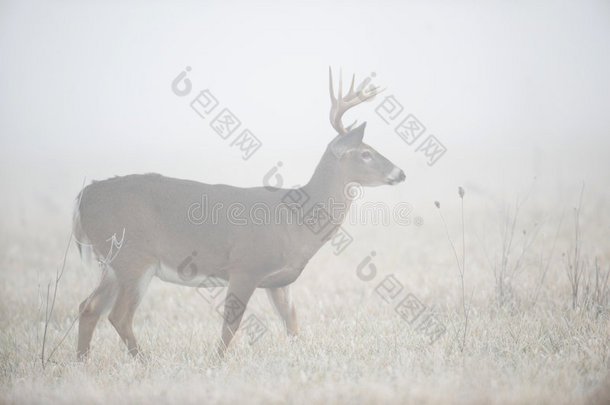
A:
(366, 155)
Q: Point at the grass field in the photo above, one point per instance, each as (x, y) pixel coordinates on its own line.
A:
(529, 343)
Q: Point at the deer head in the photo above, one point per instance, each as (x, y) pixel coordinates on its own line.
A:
(358, 161)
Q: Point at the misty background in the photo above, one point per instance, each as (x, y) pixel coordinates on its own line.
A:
(514, 91)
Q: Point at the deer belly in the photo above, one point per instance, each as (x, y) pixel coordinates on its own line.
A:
(281, 278)
(190, 276)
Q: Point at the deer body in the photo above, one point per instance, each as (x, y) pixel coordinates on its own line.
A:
(227, 240)
(153, 210)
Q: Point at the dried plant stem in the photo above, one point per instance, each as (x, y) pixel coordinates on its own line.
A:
(461, 264)
(575, 266)
(49, 311)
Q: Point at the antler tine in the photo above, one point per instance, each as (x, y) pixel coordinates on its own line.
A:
(372, 93)
(340, 93)
(331, 88)
(340, 103)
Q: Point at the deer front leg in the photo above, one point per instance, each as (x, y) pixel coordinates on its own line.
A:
(238, 295)
(281, 300)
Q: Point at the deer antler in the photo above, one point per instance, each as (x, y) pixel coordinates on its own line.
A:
(341, 104)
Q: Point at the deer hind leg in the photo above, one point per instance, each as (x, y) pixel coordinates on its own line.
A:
(92, 308)
(238, 295)
(281, 300)
(130, 293)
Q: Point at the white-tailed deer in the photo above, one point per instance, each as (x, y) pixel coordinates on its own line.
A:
(157, 230)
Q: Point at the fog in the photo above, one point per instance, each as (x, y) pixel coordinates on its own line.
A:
(513, 90)
(501, 296)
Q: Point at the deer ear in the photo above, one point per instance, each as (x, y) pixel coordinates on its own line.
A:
(350, 141)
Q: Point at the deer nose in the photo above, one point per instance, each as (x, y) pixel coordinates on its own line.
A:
(396, 176)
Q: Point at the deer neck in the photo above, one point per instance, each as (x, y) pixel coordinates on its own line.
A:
(327, 187)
